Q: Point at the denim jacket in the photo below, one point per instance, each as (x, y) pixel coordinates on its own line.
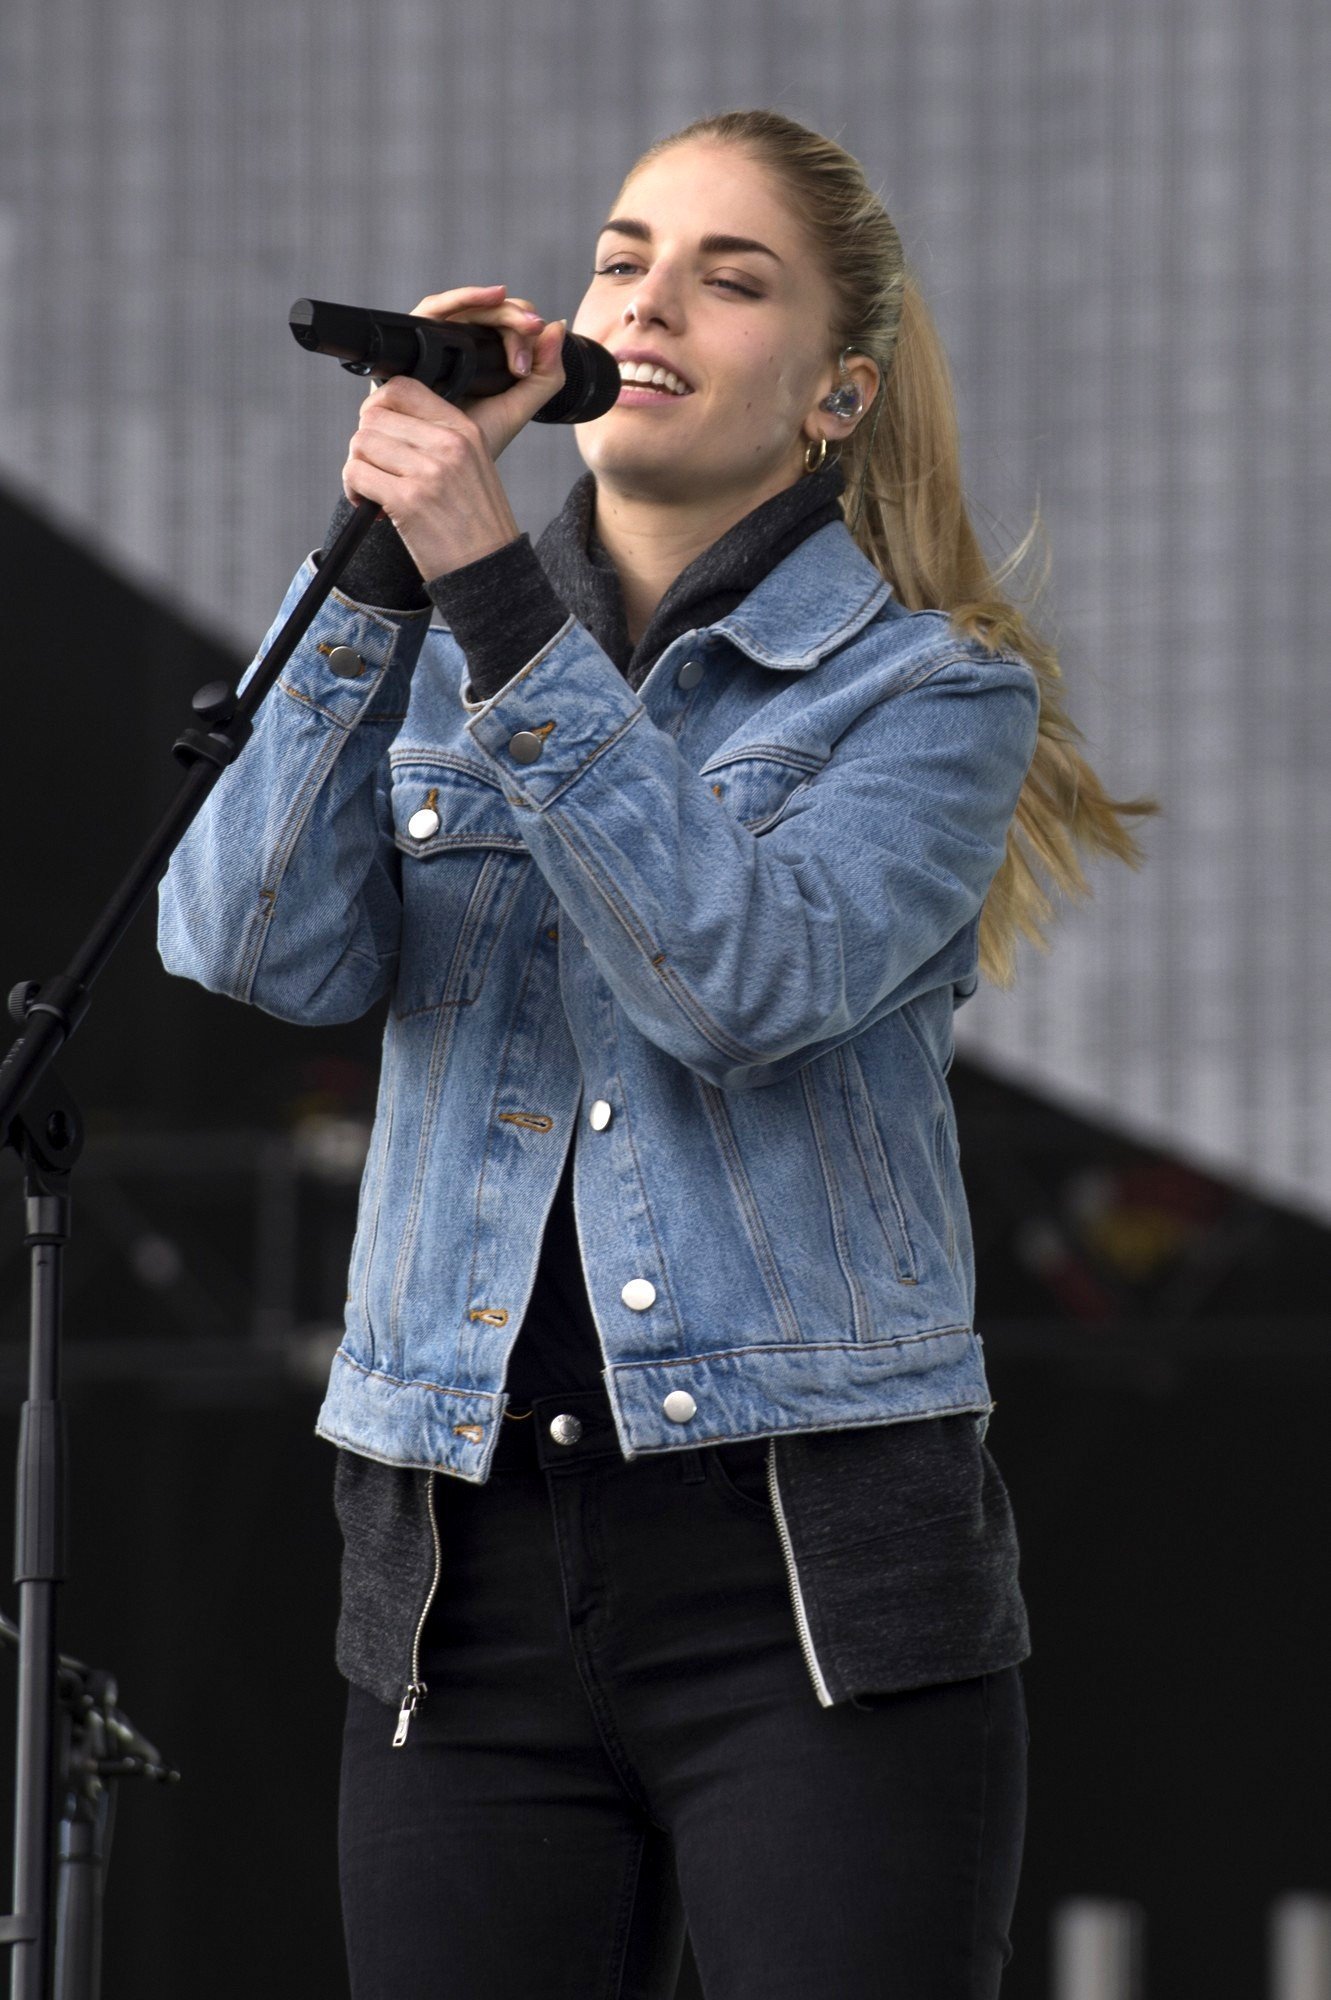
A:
(716, 927)
(720, 923)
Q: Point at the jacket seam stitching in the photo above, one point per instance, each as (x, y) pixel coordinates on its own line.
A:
(284, 845)
(803, 1346)
(500, 1071)
(662, 1262)
(902, 1260)
(861, 1320)
(909, 1260)
(445, 1034)
(715, 1107)
(414, 1382)
(329, 714)
(372, 1243)
(627, 917)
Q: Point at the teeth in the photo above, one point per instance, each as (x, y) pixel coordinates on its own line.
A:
(657, 378)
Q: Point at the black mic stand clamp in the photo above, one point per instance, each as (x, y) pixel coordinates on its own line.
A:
(99, 1745)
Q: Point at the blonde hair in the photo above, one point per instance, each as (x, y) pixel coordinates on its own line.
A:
(908, 514)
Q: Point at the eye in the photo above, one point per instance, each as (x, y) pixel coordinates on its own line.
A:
(728, 284)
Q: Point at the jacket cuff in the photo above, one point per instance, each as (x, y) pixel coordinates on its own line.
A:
(355, 662)
(555, 717)
(502, 610)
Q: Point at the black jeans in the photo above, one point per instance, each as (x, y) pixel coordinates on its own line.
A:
(621, 1735)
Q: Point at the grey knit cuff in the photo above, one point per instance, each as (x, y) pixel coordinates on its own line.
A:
(380, 573)
(502, 610)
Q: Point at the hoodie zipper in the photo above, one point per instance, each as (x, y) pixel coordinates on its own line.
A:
(416, 1688)
(801, 1619)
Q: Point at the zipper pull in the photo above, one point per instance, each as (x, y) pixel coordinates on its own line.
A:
(411, 1701)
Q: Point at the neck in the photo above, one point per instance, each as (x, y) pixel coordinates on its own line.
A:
(650, 542)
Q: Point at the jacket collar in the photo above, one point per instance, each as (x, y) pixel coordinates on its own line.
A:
(786, 584)
(813, 602)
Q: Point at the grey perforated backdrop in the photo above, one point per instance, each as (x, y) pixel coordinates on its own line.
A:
(1118, 212)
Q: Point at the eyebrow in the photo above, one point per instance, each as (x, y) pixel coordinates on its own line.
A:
(710, 246)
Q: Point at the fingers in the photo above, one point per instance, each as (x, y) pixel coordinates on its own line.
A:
(387, 451)
(405, 410)
(441, 305)
(401, 402)
(548, 349)
(394, 455)
(416, 403)
(520, 328)
(519, 323)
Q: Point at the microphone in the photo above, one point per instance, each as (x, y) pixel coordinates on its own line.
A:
(452, 357)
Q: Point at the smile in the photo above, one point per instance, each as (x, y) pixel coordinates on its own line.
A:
(642, 375)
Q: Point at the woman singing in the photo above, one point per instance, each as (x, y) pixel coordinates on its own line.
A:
(680, 1587)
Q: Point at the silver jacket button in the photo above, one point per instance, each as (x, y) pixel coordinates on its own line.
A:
(346, 662)
(525, 747)
(565, 1430)
(690, 674)
(599, 1115)
(679, 1406)
(639, 1293)
(423, 824)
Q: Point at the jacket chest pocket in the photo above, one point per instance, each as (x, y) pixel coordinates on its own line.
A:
(461, 864)
(758, 785)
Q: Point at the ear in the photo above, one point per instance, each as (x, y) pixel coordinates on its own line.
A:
(820, 422)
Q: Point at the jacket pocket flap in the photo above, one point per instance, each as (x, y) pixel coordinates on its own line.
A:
(439, 806)
(757, 785)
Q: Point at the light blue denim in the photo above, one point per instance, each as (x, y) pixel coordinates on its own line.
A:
(716, 928)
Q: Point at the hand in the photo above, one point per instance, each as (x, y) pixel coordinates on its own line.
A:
(430, 464)
(523, 331)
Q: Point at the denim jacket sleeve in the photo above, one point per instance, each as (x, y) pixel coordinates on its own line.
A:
(743, 954)
(746, 954)
(284, 891)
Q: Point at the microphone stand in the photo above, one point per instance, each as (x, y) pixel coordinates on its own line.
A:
(98, 1744)
(40, 1120)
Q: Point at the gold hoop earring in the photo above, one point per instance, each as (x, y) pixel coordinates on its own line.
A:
(812, 464)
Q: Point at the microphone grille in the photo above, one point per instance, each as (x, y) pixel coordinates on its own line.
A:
(591, 383)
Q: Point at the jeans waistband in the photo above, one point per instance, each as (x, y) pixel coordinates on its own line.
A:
(561, 1430)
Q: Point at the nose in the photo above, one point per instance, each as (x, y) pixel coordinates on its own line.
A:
(653, 303)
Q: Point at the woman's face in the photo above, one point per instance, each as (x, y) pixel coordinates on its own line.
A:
(746, 329)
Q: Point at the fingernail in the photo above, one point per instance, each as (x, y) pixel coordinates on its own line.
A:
(523, 363)
(535, 318)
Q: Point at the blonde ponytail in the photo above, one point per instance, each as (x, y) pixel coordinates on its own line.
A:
(914, 526)
(907, 511)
